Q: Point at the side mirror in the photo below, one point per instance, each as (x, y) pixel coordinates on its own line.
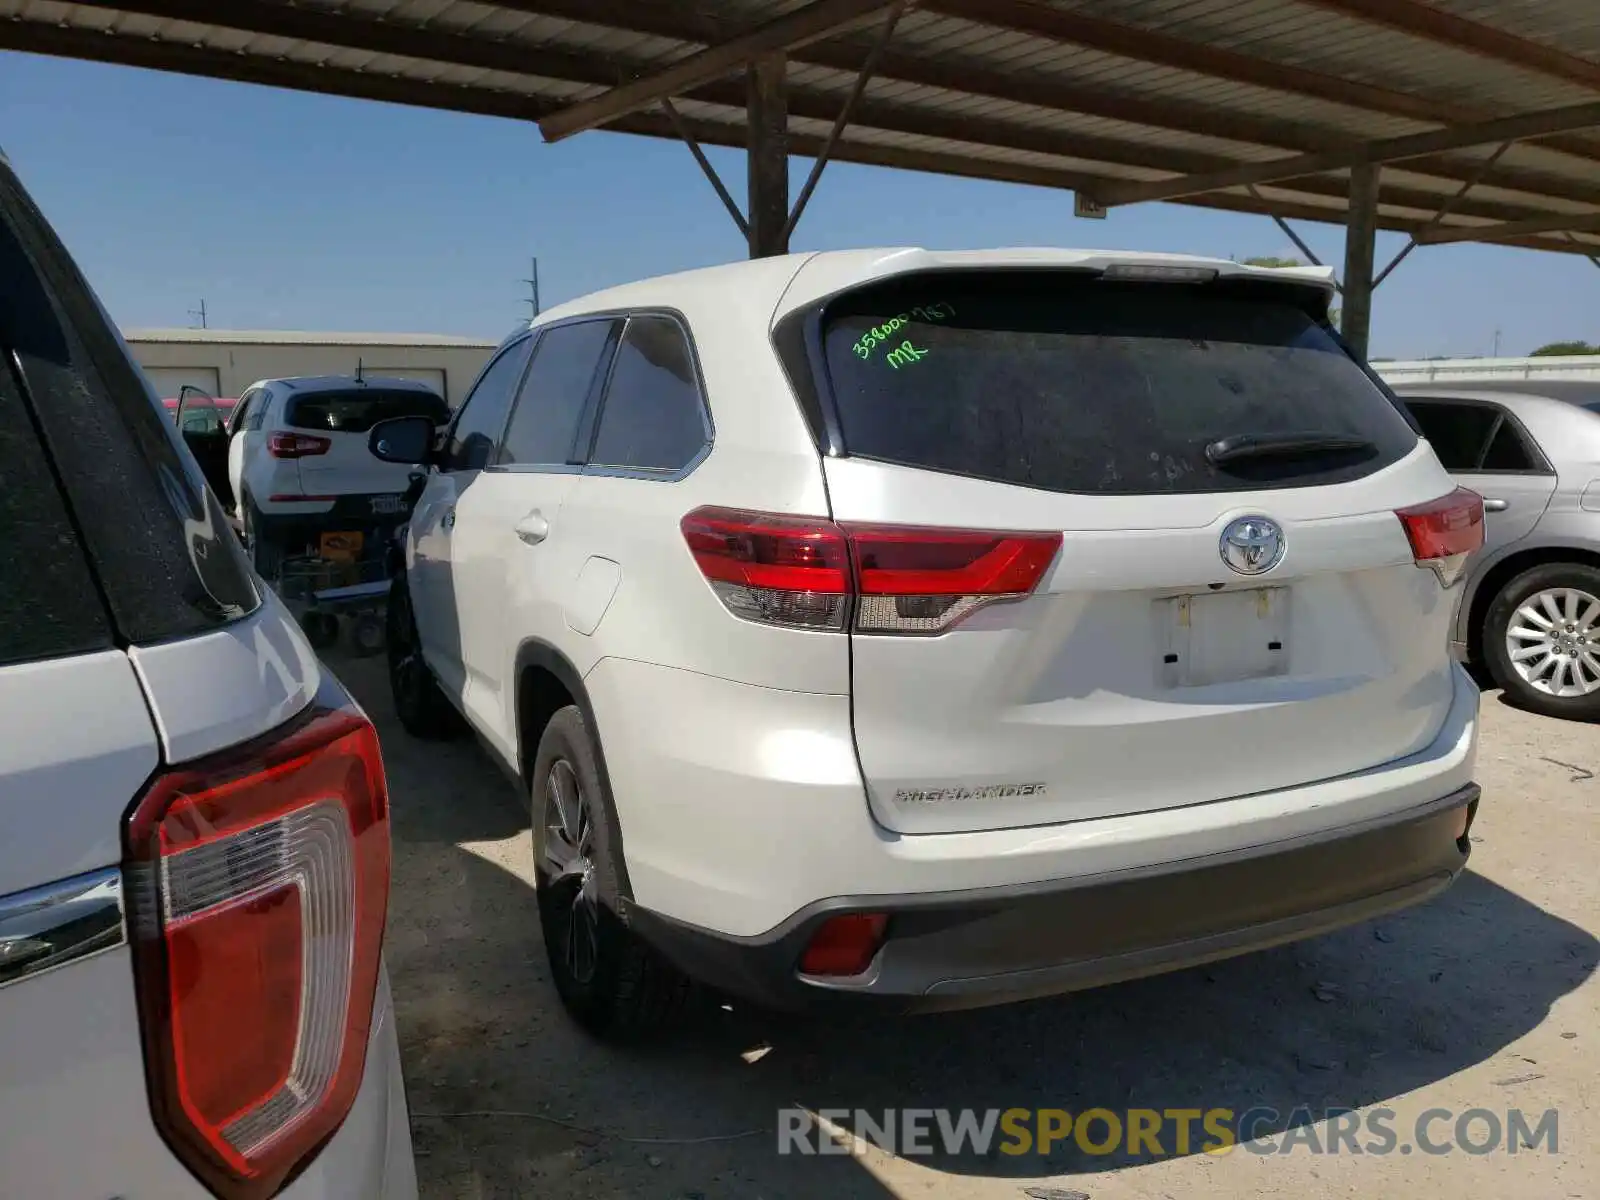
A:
(402, 440)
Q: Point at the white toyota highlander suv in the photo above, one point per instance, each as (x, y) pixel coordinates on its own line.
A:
(194, 828)
(943, 628)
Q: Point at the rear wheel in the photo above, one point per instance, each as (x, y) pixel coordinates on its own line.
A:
(612, 982)
(418, 699)
(264, 555)
(1541, 639)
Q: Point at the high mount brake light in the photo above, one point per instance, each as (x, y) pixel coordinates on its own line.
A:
(804, 573)
(257, 885)
(297, 445)
(1444, 532)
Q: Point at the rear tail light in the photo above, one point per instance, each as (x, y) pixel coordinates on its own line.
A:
(258, 881)
(844, 945)
(771, 569)
(297, 445)
(805, 573)
(1445, 532)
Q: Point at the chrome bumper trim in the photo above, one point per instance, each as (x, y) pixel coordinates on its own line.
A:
(59, 923)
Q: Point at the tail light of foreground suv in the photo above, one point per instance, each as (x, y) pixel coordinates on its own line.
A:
(258, 880)
(802, 572)
(1445, 532)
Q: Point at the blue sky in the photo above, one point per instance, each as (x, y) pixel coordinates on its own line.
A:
(292, 211)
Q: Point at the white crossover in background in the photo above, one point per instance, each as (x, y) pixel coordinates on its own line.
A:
(943, 628)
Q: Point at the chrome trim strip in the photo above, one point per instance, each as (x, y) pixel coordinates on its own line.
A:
(59, 923)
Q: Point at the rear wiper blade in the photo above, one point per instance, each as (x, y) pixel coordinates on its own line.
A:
(1244, 447)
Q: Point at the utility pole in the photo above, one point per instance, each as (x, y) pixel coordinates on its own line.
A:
(1497, 343)
(533, 286)
(199, 314)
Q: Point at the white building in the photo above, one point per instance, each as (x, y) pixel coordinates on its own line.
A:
(223, 362)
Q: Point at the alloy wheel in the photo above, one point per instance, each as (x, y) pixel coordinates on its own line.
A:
(1553, 642)
(570, 870)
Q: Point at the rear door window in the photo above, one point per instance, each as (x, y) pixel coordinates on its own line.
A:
(1476, 436)
(359, 409)
(1458, 433)
(1071, 383)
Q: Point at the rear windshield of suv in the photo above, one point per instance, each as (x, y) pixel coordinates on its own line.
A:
(1072, 383)
(358, 410)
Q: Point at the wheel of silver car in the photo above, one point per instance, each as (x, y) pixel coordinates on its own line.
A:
(1542, 640)
(568, 846)
(1554, 641)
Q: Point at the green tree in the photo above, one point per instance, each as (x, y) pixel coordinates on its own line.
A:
(1554, 348)
(1269, 261)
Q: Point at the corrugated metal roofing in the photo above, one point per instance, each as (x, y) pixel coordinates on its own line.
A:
(1063, 93)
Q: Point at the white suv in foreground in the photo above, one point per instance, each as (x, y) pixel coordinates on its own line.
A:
(194, 828)
(943, 628)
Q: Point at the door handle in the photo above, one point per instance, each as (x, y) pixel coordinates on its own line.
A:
(1495, 505)
(533, 528)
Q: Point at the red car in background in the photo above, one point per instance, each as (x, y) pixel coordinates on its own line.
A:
(221, 408)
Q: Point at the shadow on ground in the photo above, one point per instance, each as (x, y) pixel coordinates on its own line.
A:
(1414, 999)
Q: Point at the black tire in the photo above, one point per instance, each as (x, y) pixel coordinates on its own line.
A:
(1577, 579)
(612, 982)
(418, 700)
(264, 555)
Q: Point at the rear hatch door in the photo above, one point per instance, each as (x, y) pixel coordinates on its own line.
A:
(1162, 430)
(341, 419)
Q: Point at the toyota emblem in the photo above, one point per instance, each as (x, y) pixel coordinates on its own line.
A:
(1252, 545)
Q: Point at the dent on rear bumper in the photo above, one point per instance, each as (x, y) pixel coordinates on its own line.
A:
(740, 806)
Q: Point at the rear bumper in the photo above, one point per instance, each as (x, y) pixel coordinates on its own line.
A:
(967, 949)
(781, 821)
(307, 522)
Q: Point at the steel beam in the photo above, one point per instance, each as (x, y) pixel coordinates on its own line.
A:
(1416, 145)
(841, 122)
(818, 20)
(768, 148)
(710, 172)
(1360, 239)
(1572, 223)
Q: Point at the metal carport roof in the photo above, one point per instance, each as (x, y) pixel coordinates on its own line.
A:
(1485, 114)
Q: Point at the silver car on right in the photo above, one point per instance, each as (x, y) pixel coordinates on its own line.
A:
(1530, 612)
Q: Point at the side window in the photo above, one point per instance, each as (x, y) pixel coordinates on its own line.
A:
(1508, 450)
(242, 412)
(550, 407)
(50, 608)
(653, 417)
(259, 411)
(483, 413)
(1458, 433)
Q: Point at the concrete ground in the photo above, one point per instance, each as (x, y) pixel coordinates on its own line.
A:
(1485, 998)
